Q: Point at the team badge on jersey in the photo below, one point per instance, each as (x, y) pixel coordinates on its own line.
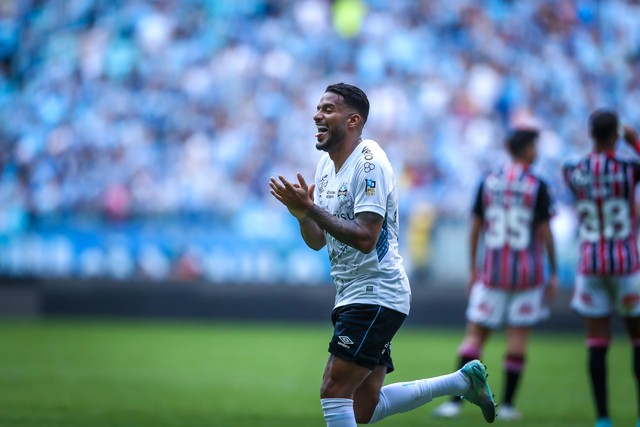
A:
(342, 192)
(369, 187)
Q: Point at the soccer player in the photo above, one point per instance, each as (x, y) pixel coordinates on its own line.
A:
(511, 211)
(353, 209)
(603, 185)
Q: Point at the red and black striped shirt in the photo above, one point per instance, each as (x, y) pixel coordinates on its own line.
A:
(512, 202)
(603, 186)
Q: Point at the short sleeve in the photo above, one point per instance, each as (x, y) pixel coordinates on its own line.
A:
(636, 171)
(567, 169)
(374, 182)
(544, 204)
(478, 204)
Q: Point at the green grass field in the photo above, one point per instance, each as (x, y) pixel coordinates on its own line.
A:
(137, 373)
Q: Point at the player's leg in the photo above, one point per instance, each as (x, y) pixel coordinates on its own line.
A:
(484, 313)
(367, 396)
(470, 382)
(470, 349)
(628, 306)
(340, 381)
(405, 396)
(598, 340)
(514, 363)
(472, 345)
(361, 339)
(633, 328)
(525, 309)
(592, 299)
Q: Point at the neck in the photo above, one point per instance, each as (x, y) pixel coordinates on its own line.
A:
(342, 154)
(604, 146)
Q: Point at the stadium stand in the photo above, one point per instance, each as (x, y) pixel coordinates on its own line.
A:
(138, 136)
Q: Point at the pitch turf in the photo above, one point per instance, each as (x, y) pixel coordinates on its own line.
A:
(106, 373)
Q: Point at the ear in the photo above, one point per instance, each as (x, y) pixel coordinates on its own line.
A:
(354, 120)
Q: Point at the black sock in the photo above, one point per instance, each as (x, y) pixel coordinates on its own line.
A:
(598, 375)
(636, 371)
(513, 367)
(461, 362)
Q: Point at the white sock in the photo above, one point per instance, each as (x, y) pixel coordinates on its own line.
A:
(455, 384)
(403, 397)
(338, 412)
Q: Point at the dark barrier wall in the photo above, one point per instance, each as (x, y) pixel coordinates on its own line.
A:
(438, 307)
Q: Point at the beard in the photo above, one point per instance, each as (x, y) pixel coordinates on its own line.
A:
(333, 140)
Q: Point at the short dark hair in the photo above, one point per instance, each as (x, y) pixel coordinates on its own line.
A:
(353, 96)
(519, 139)
(603, 123)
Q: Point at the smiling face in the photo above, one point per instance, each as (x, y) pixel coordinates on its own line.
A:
(333, 119)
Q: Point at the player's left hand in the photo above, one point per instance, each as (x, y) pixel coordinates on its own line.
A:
(297, 197)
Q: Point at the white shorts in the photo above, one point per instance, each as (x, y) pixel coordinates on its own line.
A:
(494, 308)
(600, 296)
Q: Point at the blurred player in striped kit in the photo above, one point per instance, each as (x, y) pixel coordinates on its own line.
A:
(512, 210)
(603, 185)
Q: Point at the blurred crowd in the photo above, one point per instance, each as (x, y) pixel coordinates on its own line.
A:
(122, 109)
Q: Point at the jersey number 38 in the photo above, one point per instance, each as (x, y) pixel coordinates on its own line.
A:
(612, 222)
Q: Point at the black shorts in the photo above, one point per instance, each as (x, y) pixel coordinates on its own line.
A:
(363, 332)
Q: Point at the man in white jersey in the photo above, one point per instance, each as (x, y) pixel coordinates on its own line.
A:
(353, 209)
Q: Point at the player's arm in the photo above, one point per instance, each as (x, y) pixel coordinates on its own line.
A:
(630, 136)
(546, 235)
(312, 234)
(361, 234)
(474, 241)
(477, 225)
(542, 217)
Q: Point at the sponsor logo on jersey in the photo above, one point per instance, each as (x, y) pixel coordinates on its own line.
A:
(580, 178)
(323, 183)
(367, 153)
(369, 187)
(342, 192)
(368, 167)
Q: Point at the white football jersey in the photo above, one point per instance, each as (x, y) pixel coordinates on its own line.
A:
(365, 183)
